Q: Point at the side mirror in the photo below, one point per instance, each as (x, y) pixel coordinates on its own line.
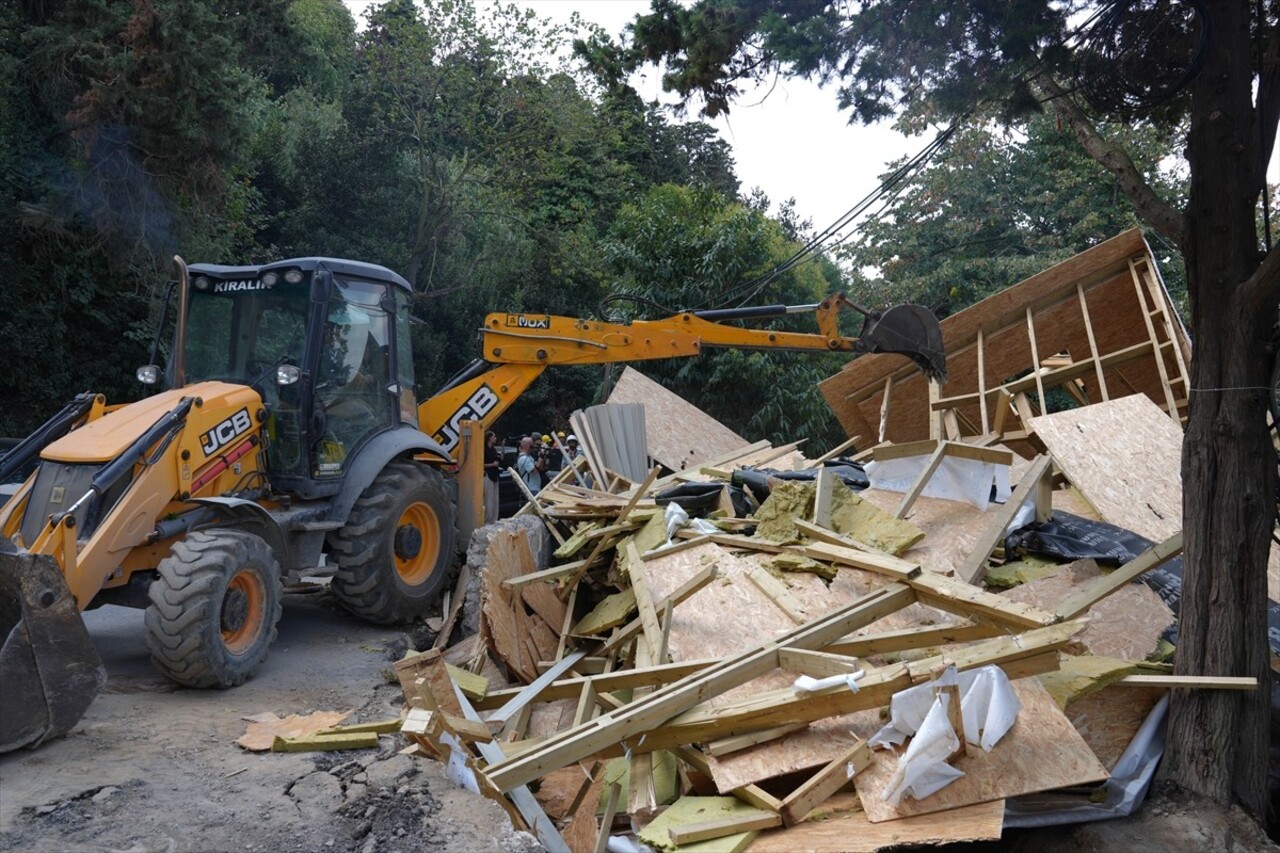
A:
(321, 286)
(148, 374)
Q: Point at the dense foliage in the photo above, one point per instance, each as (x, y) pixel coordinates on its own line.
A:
(444, 146)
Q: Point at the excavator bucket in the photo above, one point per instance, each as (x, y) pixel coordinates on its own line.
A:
(49, 669)
(910, 330)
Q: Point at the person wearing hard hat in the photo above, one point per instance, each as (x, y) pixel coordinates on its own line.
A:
(571, 446)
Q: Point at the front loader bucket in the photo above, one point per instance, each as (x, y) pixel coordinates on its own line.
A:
(49, 669)
(909, 330)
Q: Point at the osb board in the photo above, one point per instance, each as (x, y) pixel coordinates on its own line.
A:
(855, 394)
(710, 624)
(519, 638)
(679, 434)
(558, 789)
(548, 718)
(1040, 752)
(1125, 625)
(952, 529)
(851, 832)
(263, 729)
(1109, 718)
(583, 830)
(1125, 457)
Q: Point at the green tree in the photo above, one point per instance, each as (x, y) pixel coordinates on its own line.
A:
(1213, 64)
(995, 207)
(682, 248)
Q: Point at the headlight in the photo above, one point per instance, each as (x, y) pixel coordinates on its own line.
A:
(288, 374)
(269, 279)
(201, 282)
(293, 276)
(148, 374)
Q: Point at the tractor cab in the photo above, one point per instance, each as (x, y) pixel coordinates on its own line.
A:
(325, 342)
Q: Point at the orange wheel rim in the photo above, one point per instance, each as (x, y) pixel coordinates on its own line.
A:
(417, 543)
(243, 606)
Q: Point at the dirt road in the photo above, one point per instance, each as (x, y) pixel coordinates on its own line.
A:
(154, 767)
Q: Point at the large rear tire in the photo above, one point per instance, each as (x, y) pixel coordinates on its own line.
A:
(397, 547)
(214, 608)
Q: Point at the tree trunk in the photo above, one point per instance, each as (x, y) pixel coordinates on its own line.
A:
(1217, 742)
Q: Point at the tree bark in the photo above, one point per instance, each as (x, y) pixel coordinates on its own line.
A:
(1217, 741)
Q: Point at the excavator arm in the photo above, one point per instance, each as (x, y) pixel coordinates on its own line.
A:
(518, 347)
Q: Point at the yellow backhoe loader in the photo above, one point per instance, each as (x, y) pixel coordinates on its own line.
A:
(284, 440)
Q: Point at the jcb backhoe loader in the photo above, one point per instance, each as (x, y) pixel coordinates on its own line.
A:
(284, 429)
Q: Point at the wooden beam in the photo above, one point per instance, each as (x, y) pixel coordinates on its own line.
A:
(821, 785)
(971, 570)
(649, 624)
(692, 833)
(871, 561)
(645, 714)
(837, 450)
(1104, 586)
(1196, 682)
(537, 507)
(935, 459)
(823, 487)
(982, 381)
(777, 592)
(750, 794)
(1035, 360)
(534, 690)
(913, 638)
(737, 743)
(1170, 402)
(606, 819)
(817, 664)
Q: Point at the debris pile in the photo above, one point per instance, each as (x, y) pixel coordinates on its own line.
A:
(758, 651)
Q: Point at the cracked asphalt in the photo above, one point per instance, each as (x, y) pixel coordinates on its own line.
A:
(154, 767)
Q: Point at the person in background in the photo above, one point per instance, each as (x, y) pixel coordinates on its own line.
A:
(571, 446)
(529, 465)
(492, 467)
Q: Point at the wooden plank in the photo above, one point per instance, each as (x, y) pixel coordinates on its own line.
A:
(935, 459)
(649, 623)
(610, 682)
(965, 599)
(644, 714)
(913, 638)
(982, 381)
(1035, 359)
(1040, 752)
(825, 782)
(1000, 518)
(606, 819)
(860, 558)
(817, 664)
(848, 444)
(822, 492)
(325, 742)
(752, 795)
(534, 690)
(737, 743)
(1143, 295)
(1093, 343)
(777, 592)
(1195, 682)
(1107, 584)
(691, 833)
(532, 501)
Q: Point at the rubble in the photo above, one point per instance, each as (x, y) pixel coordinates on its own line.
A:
(716, 682)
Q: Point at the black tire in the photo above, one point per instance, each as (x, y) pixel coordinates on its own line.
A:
(396, 550)
(214, 608)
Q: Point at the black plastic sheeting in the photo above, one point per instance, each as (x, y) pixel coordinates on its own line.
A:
(756, 480)
(701, 499)
(1070, 537)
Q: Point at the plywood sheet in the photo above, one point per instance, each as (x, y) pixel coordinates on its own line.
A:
(1125, 625)
(952, 529)
(519, 638)
(679, 434)
(1125, 457)
(731, 615)
(1042, 751)
(852, 832)
(583, 830)
(1109, 718)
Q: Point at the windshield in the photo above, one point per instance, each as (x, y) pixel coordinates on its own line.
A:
(239, 336)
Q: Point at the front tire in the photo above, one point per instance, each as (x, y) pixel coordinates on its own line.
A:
(396, 549)
(214, 608)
